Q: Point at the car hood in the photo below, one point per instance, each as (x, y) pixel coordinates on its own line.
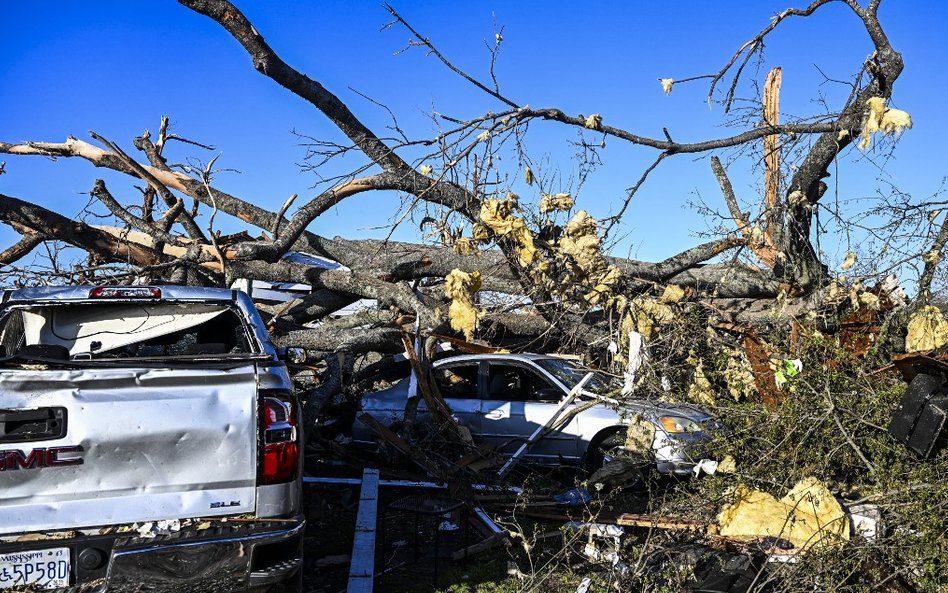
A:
(656, 408)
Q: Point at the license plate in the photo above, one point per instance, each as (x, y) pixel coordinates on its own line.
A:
(46, 569)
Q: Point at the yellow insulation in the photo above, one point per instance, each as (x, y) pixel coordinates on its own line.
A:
(885, 120)
(807, 516)
(498, 216)
(550, 202)
(460, 287)
(927, 330)
(650, 314)
(700, 390)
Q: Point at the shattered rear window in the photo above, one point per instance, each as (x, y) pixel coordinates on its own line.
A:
(122, 330)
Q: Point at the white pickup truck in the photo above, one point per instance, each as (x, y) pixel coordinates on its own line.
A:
(149, 441)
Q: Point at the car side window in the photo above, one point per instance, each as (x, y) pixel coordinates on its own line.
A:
(513, 383)
(458, 381)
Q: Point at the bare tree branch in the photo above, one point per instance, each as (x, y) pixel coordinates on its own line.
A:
(758, 244)
(424, 42)
(100, 192)
(21, 248)
(51, 225)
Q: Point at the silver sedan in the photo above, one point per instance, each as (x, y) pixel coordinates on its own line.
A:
(504, 398)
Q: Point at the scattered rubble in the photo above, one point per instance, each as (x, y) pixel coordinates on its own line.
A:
(739, 538)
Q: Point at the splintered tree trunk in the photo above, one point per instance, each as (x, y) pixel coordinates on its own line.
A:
(774, 209)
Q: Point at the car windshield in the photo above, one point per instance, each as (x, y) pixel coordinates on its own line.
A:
(113, 331)
(570, 373)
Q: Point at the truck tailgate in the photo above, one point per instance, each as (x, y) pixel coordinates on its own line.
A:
(139, 445)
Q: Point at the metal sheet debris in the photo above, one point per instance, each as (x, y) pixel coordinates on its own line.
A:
(920, 419)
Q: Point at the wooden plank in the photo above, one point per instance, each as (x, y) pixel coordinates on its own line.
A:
(427, 387)
(482, 456)
(492, 541)
(400, 444)
(764, 377)
(772, 158)
(658, 522)
(362, 568)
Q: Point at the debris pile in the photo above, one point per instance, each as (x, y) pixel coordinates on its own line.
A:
(797, 473)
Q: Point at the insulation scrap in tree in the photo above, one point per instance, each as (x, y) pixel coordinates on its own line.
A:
(586, 264)
(640, 435)
(464, 246)
(672, 294)
(602, 289)
(739, 376)
(727, 465)
(649, 314)
(882, 119)
(460, 288)
(580, 241)
(498, 216)
(849, 262)
(551, 202)
(927, 330)
(808, 516)
(700, 390)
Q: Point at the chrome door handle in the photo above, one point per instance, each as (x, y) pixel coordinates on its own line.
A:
(495, 415)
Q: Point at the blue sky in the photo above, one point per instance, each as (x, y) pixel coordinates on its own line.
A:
(117, 67)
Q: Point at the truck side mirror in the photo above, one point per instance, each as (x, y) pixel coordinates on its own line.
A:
(292, 354)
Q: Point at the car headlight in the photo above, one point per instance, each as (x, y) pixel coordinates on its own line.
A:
(677, 424)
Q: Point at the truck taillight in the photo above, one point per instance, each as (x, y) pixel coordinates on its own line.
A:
(279, 427)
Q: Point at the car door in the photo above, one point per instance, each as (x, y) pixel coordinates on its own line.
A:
(517, 401)
(459, 384)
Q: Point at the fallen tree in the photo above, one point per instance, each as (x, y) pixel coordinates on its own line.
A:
(723, 317)
(559, 268)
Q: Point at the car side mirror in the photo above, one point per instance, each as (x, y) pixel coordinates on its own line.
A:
(548, 394)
